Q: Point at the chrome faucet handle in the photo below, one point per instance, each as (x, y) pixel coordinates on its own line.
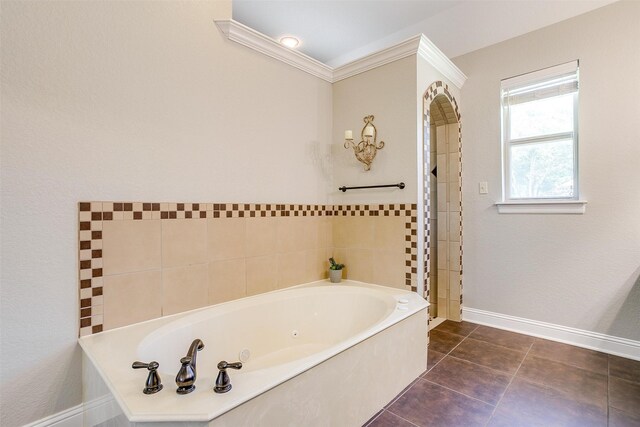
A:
(223, 382)
(153, 384)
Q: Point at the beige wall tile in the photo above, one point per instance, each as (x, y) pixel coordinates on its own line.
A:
(226, 238)
(292, 269)
(358, 265)
(184, 242)
(454, 226)
(452, 135)
(454, 285)
(454, 256)
(184, 288)
(441, 203)
(361, 232)
(441, 139)
(132, 298)
(130, 246)
(389, 268)
(227, 280)
(454, 169)
(260, 236)
(442, 227)
(340, 231)
(262, 274)
(389, 233)
(454, 196)
(442, 249)
(454, 310)
(442, 168)
(433, 283)
(325, 233)
(443, 308)
(296, 234)
(443, 283)
(317, 264)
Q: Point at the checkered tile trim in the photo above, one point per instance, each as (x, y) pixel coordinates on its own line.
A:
(438, 88)
(91, 216)
(410, 213)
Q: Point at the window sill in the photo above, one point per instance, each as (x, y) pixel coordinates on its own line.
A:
(543, 207)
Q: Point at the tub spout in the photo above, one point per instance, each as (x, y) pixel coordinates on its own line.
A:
(186, 377)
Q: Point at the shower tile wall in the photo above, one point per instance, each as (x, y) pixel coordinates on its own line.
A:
(435, 230)
(139, 261)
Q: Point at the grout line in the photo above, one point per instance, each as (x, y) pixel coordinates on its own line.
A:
(482, 366)
(374, 418)
(457, 392)
(393, 413)
(509, 385)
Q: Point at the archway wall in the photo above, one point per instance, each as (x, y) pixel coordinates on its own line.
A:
(430, 84)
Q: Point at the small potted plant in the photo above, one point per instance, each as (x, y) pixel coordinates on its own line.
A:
(335, 271)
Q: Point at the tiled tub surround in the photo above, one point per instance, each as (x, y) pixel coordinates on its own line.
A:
(140, 261)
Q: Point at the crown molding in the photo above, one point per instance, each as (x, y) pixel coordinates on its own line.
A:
(401, 50)
(438, 60)
(417, 45)
(255, 40)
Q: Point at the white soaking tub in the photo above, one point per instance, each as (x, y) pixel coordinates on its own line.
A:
(314, 354)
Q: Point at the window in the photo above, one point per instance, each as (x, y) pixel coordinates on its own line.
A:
(540, 135)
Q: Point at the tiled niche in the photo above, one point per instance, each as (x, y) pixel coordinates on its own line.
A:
(139, 261)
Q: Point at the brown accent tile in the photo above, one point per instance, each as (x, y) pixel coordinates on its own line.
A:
(580, 384)
(428, 404)
(85, 312)
(618, 418)
(96, 292)
(96, 235)
(96, 216)
(433, 357)
(85, 225)
(107, 216)
(86, 264)
(117, 207)
(137, 215)
(85, 283)
(387, 419)
(95, 329)
(624, 368)
(86, 302)
(528, 404)
(504, 338)
(96, 253)
(128, 207)
(85, 206)
(470, 379)
(85, 322)
(155, 206)
(85, 244)
(489, 355)
(571, 355)
(458, 328)
(624, 395)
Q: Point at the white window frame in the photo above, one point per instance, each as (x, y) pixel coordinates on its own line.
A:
(542, 204)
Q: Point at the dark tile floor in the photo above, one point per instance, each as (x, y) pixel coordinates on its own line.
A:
(481, 376)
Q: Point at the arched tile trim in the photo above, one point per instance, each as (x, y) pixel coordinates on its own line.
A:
(438, 88)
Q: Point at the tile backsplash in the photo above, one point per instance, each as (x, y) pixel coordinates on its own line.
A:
(140, 261)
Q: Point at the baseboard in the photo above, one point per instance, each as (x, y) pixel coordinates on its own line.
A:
(74, 416)
(578, 337)
(71, 417)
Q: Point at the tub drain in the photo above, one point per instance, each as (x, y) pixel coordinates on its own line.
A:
(295, 333)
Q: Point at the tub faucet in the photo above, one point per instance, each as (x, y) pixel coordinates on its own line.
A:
(186, 377)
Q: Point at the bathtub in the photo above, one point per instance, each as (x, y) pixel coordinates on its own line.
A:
(314, 354)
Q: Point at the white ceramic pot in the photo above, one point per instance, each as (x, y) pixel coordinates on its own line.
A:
(335, 276)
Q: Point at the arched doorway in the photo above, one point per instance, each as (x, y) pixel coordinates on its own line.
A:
(443, 203)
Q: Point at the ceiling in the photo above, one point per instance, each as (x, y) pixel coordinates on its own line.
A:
(337, 32)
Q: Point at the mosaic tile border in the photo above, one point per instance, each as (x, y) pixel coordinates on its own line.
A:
(438, 88)
(91, 216)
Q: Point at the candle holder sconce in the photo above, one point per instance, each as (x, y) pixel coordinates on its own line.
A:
(368, 146)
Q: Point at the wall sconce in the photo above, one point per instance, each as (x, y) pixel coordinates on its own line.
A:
(365, 150)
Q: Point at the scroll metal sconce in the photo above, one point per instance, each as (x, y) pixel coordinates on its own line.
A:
(368, 146)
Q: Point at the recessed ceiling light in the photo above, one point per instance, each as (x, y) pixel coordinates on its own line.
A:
(289, 41)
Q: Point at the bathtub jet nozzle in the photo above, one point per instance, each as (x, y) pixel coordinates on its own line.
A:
(223, 382)
(186, 377)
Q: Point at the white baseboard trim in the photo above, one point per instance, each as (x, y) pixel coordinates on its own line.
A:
(71, 417)
(74, 416)
(578, 337)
